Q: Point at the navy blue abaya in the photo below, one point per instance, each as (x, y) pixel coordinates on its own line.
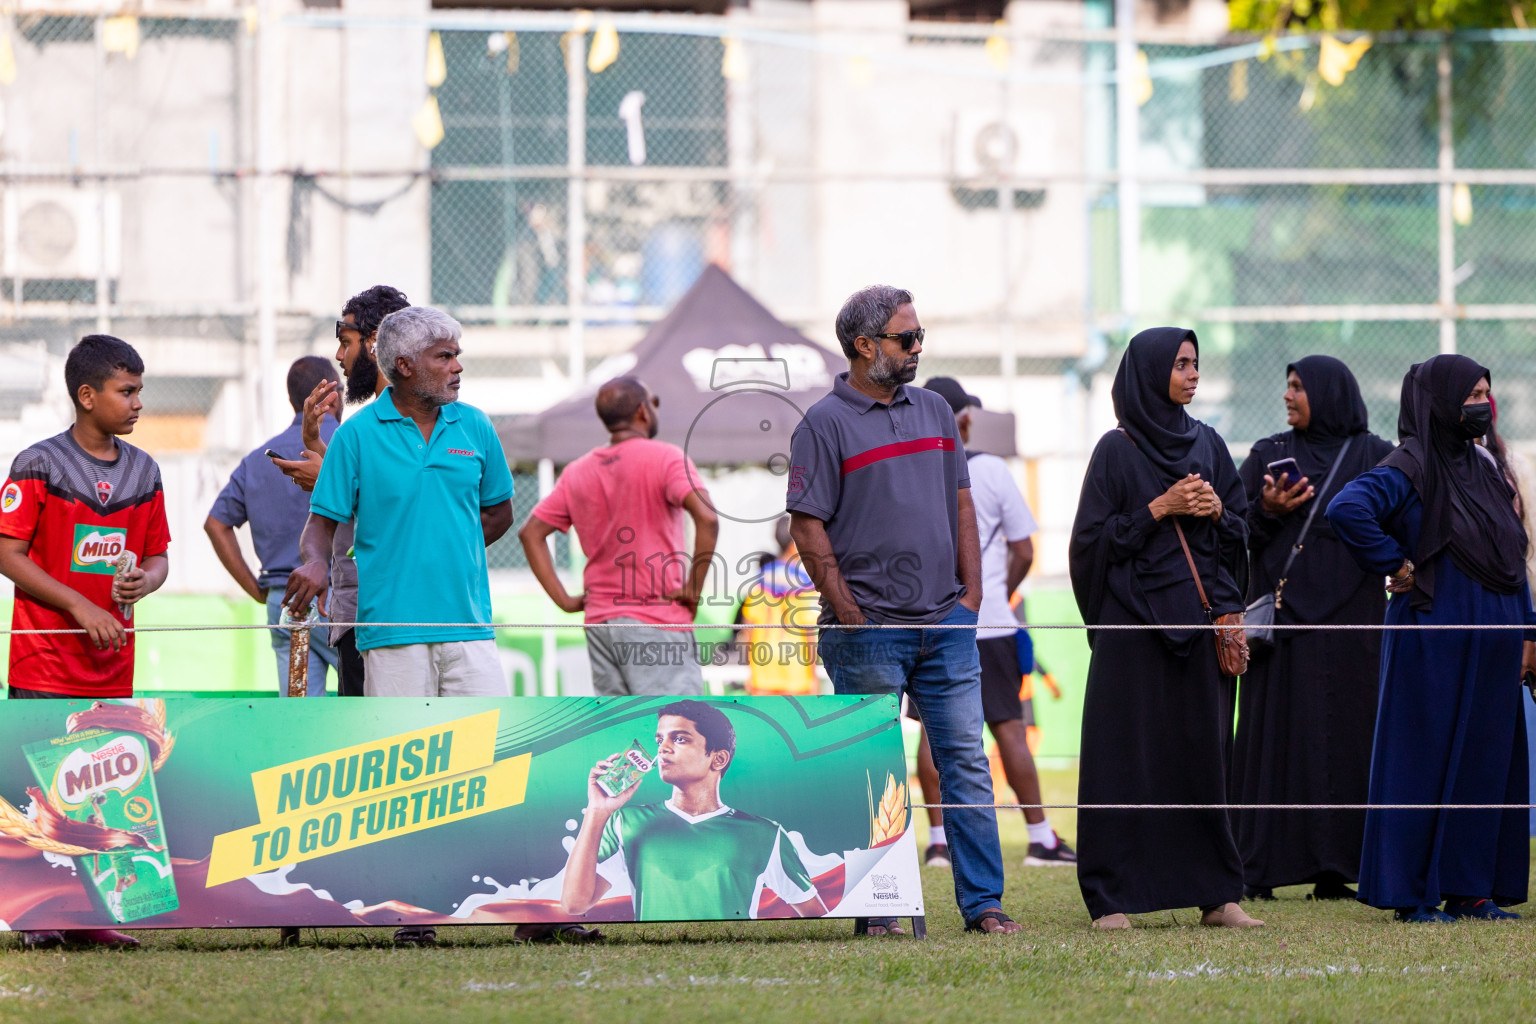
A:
(1449, 724)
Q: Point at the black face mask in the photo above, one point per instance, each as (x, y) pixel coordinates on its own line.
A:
(1476, 421)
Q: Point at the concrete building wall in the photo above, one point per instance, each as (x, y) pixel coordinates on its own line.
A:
(872, 99)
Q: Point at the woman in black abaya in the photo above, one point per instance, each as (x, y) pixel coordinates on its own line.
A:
(1307, 707)
(1438, 517)
(1157, 716)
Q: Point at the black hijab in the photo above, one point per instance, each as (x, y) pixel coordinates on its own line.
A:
(1468, 507)
(1337, 414)
(1154, 583)
(1164, 432)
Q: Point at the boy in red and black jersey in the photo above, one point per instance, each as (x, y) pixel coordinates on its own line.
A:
(71, 506)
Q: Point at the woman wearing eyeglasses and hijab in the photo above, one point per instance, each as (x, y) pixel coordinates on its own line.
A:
(1307, 705)
(1157, 715)
(1439, 519)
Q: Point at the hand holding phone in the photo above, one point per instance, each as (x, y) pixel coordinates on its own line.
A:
(1285, 489)
(304, 470)
(1285, 471)
(269, 453)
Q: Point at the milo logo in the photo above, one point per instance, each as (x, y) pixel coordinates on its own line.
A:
(84, 773)
(639, 760)
(97, 548)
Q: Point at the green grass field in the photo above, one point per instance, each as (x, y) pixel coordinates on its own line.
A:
(1315, 962)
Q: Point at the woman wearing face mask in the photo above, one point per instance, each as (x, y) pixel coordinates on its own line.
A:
(1307, 706)
(1157, 715)
(1439, 519)
(1517, 469)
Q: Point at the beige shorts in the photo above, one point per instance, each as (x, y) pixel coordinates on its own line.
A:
(644, 661)
(457, 668)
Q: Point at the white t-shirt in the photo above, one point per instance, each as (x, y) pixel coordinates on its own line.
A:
(1002, 516)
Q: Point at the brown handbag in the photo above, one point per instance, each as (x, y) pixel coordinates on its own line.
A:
(1231, 638)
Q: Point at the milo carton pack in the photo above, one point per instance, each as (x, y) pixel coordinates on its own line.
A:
(625, 771)
(104, 777)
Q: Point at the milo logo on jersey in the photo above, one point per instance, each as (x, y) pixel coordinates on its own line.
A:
(97, 549)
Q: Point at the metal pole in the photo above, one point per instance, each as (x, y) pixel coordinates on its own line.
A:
(575, 202)
(509, 187)
(1447, 243)
(1127, 157)
(99, 153)
(740, 120)
(1096, 161)
(240, 93)
(1008, 356)
(549, 679)
(266, 93)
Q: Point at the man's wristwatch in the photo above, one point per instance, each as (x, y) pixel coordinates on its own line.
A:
(1405, 572)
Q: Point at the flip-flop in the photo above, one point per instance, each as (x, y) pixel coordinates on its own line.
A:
(974, 925)
(577, 935)
(573, 934)
(42, 940)
(888, 925)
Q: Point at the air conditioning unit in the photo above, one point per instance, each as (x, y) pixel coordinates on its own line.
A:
(62, 232)
(989, 147)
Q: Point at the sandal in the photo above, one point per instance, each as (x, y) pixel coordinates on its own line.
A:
(1229, 915)
(975, 924)
(416, 935)
(573, 934)
(887, 926)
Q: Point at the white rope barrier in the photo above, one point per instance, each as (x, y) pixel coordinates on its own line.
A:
(888, 626)
(737, 626)
(1229, 807)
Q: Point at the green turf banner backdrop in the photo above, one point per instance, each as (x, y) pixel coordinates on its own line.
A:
(216, 813)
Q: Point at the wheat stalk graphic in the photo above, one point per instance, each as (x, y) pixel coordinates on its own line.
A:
(15, 825)
(889, 819)
(151, 724)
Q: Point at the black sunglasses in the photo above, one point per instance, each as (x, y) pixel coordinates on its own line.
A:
(342, 325)
(907, 338)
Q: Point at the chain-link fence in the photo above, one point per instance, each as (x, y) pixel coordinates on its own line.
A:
(1280, 213)
(214, 187)
(1363, 225)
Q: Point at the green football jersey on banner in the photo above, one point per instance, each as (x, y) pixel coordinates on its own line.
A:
(700, 869)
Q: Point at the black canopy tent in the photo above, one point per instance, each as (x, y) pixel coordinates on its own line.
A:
(733, 383)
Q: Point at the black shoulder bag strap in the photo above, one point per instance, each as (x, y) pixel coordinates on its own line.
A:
(1311, 515)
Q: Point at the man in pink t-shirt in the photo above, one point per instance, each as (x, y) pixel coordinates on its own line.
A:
(627, 501)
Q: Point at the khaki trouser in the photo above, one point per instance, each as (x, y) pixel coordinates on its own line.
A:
(456, 668)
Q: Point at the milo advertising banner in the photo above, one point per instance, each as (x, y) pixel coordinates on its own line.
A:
(217, 813)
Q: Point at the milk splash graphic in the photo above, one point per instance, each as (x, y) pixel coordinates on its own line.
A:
(857, 865)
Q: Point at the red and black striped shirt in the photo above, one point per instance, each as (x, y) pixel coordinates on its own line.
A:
(79, 513)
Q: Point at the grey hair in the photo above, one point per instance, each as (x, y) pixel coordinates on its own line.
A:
(866, 313)
(408, 332)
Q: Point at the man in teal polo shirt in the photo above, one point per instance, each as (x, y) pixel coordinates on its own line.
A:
(426, 479)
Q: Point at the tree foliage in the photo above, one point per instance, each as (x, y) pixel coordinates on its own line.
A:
(1272, 17)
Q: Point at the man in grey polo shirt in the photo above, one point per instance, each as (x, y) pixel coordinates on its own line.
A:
(880, 508)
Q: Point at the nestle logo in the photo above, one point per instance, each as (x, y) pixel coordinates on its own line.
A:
(460, 451)
(884, 887)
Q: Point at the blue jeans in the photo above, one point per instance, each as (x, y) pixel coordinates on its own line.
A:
(941, 673)
(321, 653)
